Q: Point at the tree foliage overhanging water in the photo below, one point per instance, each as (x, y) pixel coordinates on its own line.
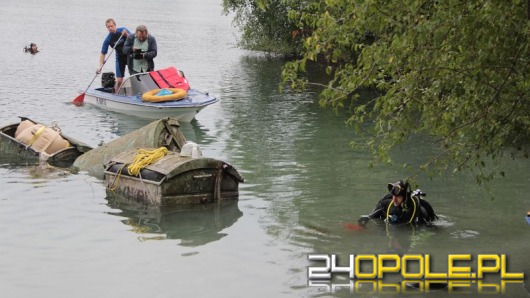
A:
(455, 71)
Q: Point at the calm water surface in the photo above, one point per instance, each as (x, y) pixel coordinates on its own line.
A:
(61, 236)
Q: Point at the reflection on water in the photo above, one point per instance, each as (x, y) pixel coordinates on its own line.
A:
(400, 239)
(118, 124)
(465, 234)
(192, 225)
(34, 168)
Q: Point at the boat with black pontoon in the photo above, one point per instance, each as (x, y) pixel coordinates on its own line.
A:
(33, 141)
(179, 175)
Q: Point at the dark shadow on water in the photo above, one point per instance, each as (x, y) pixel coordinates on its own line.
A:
(192, 225)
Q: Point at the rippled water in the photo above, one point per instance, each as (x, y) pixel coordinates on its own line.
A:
(62, 236)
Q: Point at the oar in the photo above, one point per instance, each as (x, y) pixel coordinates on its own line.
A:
(81, 97)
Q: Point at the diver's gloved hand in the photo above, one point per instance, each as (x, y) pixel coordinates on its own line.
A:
(363, 220)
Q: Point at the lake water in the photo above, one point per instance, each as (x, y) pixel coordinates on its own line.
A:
(61, 236)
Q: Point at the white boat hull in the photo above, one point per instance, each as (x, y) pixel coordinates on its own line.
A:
(181, 113)
(128, 99)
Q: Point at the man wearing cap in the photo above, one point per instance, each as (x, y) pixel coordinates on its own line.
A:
(399, 207)
(141, 49)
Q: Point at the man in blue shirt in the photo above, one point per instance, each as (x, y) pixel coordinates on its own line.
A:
(113, 40)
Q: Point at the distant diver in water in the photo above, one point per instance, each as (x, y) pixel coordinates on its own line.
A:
(32, 48)
(401, 206)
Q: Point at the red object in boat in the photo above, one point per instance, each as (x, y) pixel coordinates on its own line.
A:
(169, 78)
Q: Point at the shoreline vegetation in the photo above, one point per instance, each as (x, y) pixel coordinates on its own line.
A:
(454, 72)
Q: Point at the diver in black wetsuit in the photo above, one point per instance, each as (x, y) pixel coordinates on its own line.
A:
(32, 48)
(401, 207)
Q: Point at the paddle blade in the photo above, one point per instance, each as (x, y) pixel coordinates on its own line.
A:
(79, 99)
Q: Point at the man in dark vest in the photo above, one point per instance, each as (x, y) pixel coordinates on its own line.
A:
(141, 49)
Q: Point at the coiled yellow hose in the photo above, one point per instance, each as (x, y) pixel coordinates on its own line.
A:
(144, 158)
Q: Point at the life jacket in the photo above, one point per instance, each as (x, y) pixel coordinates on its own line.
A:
(169, 78)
